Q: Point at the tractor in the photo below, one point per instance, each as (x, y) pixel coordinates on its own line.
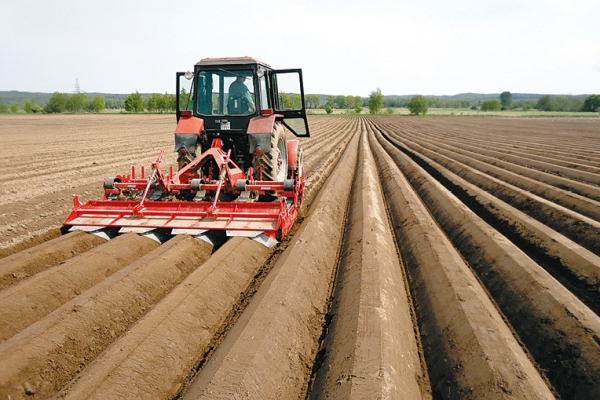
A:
(237, 173)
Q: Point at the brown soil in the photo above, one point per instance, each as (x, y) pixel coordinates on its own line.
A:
(29, 262)
(483, 284)
(370, 350)
(471, 352)
(548, 316)
(259, 358)
(59, 346)
(157, 354)
(68, 154)
(33, 298)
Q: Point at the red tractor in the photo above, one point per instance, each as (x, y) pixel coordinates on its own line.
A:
(237, 172)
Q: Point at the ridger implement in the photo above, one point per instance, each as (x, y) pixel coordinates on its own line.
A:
(258, 195)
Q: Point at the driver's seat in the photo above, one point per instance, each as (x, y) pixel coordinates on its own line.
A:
(237, 105)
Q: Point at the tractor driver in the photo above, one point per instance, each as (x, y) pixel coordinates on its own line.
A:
(238, 90)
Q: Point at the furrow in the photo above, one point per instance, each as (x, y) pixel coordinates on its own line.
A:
(48, 354)
(35, 297)
(15, 268)
(370, 349)
(270, 350)
(577, 227)
(470, 351)
(549, 319)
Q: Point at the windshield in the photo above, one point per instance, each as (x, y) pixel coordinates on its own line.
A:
(226, 92)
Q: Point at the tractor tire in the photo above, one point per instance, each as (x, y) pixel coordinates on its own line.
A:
(295, 159)
(300, 165)
(274, 162)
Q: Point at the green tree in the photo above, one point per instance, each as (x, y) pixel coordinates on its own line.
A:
(295, 101)
(350, 102)
(186, 101)
(506, 99)
(312, 101)
(592, 103)
(75, 102)
(169, 101)
(358, 101)
(3, 106)
(490, 105)
(568, 103)
(56, 104)
(546, 103)
(291, 101)
(375, 101)
(418, 105)
(150, 104)
(357, 109)
(135, 103)
(330, 101)
(14, 108)
(340, 101)
(328, 109)
(159, 102)
(98, 103)
(168, 106)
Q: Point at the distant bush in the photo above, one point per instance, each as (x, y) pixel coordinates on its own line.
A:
(56, 104)
(491, 105)
(418, 105)
(560, 103)
(591, 104)
(134, 103)
(357, 109)
(31, 107)
(546, 103)
(328, 109)
(3, 106)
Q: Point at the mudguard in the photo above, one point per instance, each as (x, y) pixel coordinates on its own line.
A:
(259, 133)
(187, 133)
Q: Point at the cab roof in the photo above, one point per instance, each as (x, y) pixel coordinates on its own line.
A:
(232, 61)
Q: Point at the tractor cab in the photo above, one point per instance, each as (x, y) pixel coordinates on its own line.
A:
(232, 91)
(242, 102)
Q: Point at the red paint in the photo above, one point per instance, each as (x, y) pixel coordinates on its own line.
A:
(261, 124)
(190, 125)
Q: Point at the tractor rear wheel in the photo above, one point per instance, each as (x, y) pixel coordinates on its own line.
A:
(274, 162)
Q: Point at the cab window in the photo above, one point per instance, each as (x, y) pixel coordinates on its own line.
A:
(226, 92)
(264, 97)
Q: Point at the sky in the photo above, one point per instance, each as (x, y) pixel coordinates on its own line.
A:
(436, 47)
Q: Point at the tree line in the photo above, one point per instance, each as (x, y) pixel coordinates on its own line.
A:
(544, 103)
(80, 102)
(135, 102)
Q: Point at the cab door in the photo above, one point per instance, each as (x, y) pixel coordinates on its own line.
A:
(288, 95)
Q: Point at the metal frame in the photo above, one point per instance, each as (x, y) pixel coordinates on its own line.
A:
(249, 215)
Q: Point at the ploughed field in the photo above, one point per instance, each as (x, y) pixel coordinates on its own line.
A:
(444, 258)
